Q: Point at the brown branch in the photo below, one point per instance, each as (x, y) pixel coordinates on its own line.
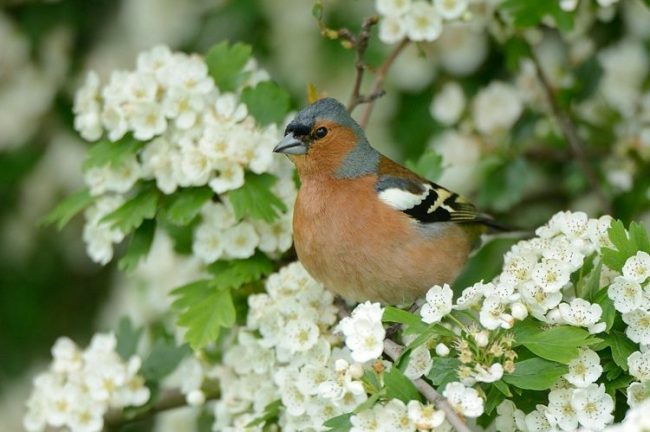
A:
(360, 43)
(570, 133)
(393, 350)
(168, 400)
(380, 77)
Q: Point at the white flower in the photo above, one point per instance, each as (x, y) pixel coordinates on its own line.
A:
(538, 300)
(580, 313)
(584, 369)
(438, 304)
(493, 314)
(195, 166)
(509, 417)
(230, 176)
(449, 103)
(147, 120)
(551, 275)
(537, 421)
(392, 8)
(208, 244)
(365, 421)
(639, 364)
(568, 5)
(637, 393)
(442, 350)
(424, 417)
(489, 120)
(472, 296)
(626, 294)
(394, 417)
(391, 30)
(593, 406)
(300, 335)
(364, 332)
(488, 375)
(240, 241)
(464, 400)
(637, 267)
(423, 22)
(638, 329)
(451, 9)
(420, 362)
(560, 411)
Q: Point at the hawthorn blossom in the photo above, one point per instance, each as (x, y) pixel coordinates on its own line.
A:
(439, 304)
(464, 400)
(584, 369)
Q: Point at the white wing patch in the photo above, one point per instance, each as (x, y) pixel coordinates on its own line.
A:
(401, 199)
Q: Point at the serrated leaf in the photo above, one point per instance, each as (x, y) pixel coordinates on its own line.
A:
(639, 235)
(621, 348)
(340, 423)
(69, 208)
(235, 273)
(205, 317)
(255, 198)
(110, 153)
(139, 245)
(443, 370)
(186, 204)
(559, 344)
(226, 63)
(625, 247)
(267, 102)
(127, 338)
(163, 359)
(429, 165)
(399, 387)
(131, 214)
(535, 374)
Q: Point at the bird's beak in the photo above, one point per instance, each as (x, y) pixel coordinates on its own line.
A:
(291, 145)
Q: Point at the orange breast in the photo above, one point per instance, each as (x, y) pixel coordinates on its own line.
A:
(362, 249)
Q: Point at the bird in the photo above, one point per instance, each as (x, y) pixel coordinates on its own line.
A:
(364, 226)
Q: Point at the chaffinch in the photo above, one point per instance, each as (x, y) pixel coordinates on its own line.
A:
(365, 226)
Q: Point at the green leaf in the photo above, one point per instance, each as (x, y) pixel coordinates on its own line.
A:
(255, 199)
(530, 13)
(110, 153)
(429, 165)
(485, 264)
(535, 374)
(625, 247)
(606, 304)
(127, 338)
(639, 236)
(271, 411)
(443, 370)
(206, 313)
(621, 348)
(139, 246)
(68, 208)
(396, 315)
(503, 388)
(267, 102)
(186, 204)
(340, 423)
(399, 387)
(131, 214)
(163, 359)
(226, 63)
(235, 273)
(493, 399)
(369, 403)
(558, 344)
(588, 287)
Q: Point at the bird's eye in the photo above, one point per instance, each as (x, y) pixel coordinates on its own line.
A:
(320, 133)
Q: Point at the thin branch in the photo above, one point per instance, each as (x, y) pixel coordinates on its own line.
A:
(380, 77)
(393, 350)
(360, 43)
(570, 133)
(168, 400)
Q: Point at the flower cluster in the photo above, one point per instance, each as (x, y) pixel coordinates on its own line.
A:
(417, 20)
(193, 135)
(81, 386)
(364, 332)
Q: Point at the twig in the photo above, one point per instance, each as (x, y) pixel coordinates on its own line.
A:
(168, 400)
(393, 350)
(570, 134)
(360, 43)
(380, 76)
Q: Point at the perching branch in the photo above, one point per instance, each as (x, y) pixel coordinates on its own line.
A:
(360, 44)
(570, 133)
(168, 400)
(393, 350)
(378, 84)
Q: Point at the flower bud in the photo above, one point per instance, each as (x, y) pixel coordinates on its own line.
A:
(518, 311)
(442, 350)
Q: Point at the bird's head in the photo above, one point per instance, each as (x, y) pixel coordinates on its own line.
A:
(324, 139)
